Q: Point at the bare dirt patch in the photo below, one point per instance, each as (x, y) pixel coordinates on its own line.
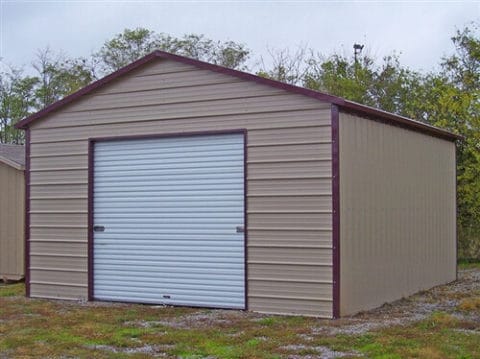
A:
(202, 319)
(321, 352)
(152, 350)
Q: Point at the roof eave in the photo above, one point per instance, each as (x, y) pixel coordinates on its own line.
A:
(11, 163)
(400, 120)
(23, 124)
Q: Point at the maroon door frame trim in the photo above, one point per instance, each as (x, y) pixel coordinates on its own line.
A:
(27, 213)
(91, 156)
(91, 167)
(336, 211)
(245, 215)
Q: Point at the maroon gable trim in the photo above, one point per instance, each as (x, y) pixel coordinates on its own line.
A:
(344, 104)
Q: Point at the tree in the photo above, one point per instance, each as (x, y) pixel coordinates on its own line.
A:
(289, 67)
(131, 45)
(20, 95)
(125, 48)
(459, 109)
(388, 86)
(449, 99)
(17, 100)
(59, 76)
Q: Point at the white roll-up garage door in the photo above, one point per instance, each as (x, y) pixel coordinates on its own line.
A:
(168, 221)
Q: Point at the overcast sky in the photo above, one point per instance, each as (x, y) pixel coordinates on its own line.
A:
(419, 31)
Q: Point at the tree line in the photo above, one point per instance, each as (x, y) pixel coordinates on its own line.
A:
(448, 97)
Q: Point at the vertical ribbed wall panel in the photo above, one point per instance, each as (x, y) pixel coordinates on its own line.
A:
(397, 212)
(12, 223)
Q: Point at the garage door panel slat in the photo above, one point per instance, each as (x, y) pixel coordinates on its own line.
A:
(170, 208)
(155, 298)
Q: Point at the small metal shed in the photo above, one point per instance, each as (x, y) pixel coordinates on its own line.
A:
(180, 182)
(12, 211)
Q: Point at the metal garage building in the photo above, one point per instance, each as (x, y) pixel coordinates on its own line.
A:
(180, 182)
(12, 211)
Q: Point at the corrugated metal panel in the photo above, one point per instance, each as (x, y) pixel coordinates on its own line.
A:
(397, 212)
(46, 260)
(59, 275)
(59, 162)
(173, 95)
(273, 237)
(59, 177)
(302, 126)
(58, 290)
(275, 103)
(274, 134)
(58, 204)
(193, 77)
(161, 67)
(58, 233)
(12, 214)
(290, 272)
(170, 208)
(315, 306)
(52, 190)
(53, 149)
(49, 246)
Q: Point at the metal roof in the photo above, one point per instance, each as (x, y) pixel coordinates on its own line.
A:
(13, 155)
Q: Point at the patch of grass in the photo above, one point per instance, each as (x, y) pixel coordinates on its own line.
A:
(469, 263)
(253, 342)
(434, 337)
(12, 290)
(268, 321)
(439, 320)
(470, 304)
(43, 328)
(438, 336)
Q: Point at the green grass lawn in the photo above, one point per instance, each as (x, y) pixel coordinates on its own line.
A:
(51, 329)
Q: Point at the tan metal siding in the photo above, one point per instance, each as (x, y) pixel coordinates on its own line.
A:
(12, 214)
(397, 213)
(289, 178)
(283, 128)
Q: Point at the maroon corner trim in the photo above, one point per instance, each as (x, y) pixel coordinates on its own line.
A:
(336, 210)
(352, 106)
(91, 167)
(27, 213)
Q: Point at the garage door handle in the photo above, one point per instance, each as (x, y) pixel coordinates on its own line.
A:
(98, 228)
(240, 229)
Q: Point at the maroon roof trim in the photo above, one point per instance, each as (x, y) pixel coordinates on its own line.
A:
(397, 120)
(85, 90)
(349, 105)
